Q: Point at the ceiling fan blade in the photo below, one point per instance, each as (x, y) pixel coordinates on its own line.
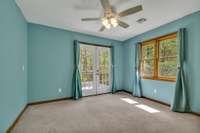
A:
(106, 5)
(130, 11)
(102, 28)
(123, 24)
(90, 19)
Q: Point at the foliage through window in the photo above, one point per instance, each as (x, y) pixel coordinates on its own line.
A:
(159, 58)
(90, 65)
(86, 58)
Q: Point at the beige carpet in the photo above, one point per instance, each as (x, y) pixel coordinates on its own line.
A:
(104, 114)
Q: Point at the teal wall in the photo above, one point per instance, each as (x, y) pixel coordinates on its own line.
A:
(13, 55)
(50, 61)
(165, 89)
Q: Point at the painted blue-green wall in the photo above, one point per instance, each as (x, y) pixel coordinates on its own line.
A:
(50, 61)
(165, 89)
(13, 55)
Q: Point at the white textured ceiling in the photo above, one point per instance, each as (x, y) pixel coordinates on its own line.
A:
(67, 14)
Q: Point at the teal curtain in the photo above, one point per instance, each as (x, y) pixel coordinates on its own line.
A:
(180, 102)
(113, 70)
(137, 90)
(76, 81)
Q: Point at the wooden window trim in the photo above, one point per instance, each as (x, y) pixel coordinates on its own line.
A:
(157, 58)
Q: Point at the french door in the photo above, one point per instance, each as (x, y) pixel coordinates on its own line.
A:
(95, 68)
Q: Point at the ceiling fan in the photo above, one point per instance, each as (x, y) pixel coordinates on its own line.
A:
(111, 17)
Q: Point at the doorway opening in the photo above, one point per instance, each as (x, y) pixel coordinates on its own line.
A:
(95, 69)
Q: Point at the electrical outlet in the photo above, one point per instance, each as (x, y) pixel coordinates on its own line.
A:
(155, 91)
(60, 90)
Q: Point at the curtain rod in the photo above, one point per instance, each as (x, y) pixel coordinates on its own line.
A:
(94, 44)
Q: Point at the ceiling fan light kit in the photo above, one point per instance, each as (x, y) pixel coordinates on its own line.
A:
(111, 17)
(114, 22)
(109, 22)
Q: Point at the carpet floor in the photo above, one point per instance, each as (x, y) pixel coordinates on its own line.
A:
(105, 114)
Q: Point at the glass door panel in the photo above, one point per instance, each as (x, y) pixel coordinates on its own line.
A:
(95, 67)
(87, 70)
(104, 70)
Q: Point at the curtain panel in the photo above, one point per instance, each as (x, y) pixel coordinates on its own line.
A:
(113, 87)
(180, 101)
(76, 81)
(137, 90)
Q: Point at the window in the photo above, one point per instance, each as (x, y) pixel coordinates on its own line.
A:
(159, 58)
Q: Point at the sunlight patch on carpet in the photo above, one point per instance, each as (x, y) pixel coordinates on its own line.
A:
(128, 100)
(147, 108)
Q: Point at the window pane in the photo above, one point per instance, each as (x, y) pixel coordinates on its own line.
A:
(148, 68)
(159, 58)
(86, 58)
(86, 77)
(148, 51)
(86, 66)
(167, 67)
(104, 65)
(167, 48)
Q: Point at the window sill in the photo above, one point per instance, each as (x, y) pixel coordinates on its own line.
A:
(160, 79)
